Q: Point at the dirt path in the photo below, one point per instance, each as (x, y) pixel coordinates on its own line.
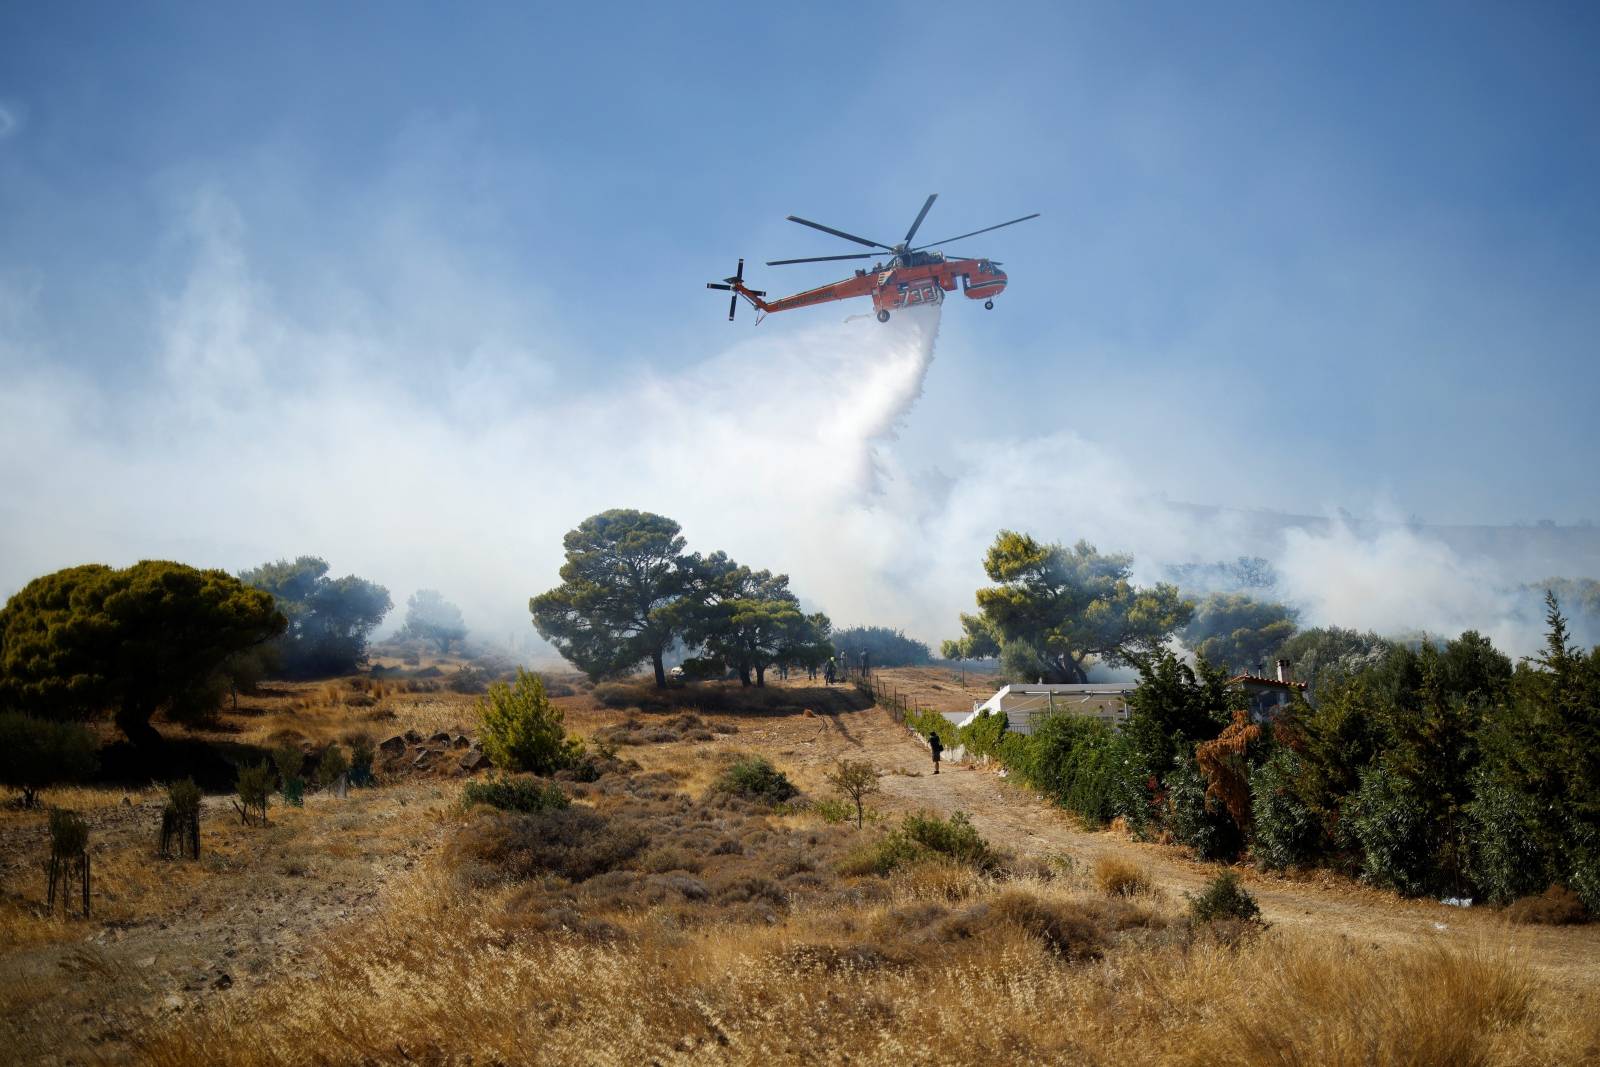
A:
(1014, 817)
(168, 936)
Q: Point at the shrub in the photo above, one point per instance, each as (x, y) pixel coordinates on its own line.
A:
(855, 780)
(923, 836)
(833, 809)
(1082, 764)
(1205, 828)
(1286, 830)
(575, 843)
(35, 753)
(885, 856)
(1556, 906)
(615, 694)
(180, 821)
(554, 687)
(1507, 862)
(925, 721)
(755, 778)
(69, 834)
(1224, 898)
(362, 753)
(703, 668)
(984, 735)
(471, 679)
(332, 764)
(955, 837)
(254, 788)
(1066, 929)
(522, 793)
(1391, 826)
(1120, 878)
(290, 761)
(522, 731)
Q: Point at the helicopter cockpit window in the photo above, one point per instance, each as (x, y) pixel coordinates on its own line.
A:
(985, 266)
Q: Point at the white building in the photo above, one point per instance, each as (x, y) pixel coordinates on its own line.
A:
(1026, 705)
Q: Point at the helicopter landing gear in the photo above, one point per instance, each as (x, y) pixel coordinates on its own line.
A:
(988, 305)
(883, 316)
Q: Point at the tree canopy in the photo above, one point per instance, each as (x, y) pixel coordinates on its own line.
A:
(329, 619)
(1326, 655)
(618, 601)
(430, 617)
(1056, 610)
(152, 637)
(1236, 631)
(629, 591)
(748, 619)
(885, 647)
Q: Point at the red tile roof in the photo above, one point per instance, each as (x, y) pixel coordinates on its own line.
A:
(1256, 679)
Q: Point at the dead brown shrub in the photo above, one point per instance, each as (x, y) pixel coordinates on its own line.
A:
(1556, 906)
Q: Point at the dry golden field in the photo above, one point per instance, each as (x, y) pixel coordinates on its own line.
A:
(657, 921)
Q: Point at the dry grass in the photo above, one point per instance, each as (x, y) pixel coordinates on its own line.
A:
(663, 924)
(1118, 877)
(1008, 979)
(645, 926)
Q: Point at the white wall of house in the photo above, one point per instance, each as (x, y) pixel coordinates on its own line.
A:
(1026, 705)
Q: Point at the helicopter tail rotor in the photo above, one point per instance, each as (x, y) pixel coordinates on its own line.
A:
(735, 285)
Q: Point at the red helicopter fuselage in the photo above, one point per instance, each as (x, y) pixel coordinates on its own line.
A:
(910, 277)
(894, 286)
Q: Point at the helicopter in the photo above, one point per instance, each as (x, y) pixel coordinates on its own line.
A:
(909, 277)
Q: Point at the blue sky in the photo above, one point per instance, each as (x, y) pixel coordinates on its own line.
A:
(1289, 258)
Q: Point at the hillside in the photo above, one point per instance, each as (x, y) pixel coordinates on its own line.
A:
(394, 926)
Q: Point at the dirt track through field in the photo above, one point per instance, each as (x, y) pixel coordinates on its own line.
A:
(1014, 817)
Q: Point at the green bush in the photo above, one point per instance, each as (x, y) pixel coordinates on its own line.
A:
(1507, 862)
(522, 793)
(1285, 828)
(183, 798)
(926, 722)
(1392, 830)
(886, 855)
(1224, 898)
(834, 810)
(1205, 828)
(362, 753)
(290, 762)
(756, 779)
(522, 731)
(35, 753)
(923, 836)
(955, 837)
(982, 737)
(332, 764)
(1582, 861)
(69, 834)
(1082, 764)
(255, 789)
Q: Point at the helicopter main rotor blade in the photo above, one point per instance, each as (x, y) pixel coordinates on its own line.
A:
(839, 233)
(975, 233)
(920, 216)
(733, 305)
(822, 259)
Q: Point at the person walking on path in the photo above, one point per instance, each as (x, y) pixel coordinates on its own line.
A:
(937, 746)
